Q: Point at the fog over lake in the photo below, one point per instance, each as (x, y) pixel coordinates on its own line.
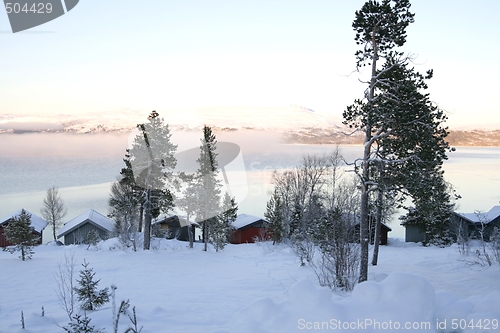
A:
(83, 166)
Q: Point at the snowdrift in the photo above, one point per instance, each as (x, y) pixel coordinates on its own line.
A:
(401, 301)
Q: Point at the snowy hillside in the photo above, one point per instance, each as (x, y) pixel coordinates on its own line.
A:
(228, 118)
(256, 288)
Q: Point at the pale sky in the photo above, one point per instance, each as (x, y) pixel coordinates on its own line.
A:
(163, 54)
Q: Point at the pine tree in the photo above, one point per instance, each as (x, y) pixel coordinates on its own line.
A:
(208, 197)
(90, 298)
(403, 129)
(227, 217)
(188, 203)
(19, 232)
(152, 161)
(274, 214)
(432, 212)
(53, 209)
(124, 210)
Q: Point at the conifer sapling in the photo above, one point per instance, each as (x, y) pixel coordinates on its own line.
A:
(90, 297)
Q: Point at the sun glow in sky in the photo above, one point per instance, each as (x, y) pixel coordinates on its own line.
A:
(163, 54)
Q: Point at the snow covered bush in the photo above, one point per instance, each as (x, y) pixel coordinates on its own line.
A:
(338, 265)
(92, 239)
(495, 244)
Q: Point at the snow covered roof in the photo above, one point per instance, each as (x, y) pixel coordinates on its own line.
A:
(484, 217)
(90, 216)
(242, 220)
(36, 222)
(385, 225)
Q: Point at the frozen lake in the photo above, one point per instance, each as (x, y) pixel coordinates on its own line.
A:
(83, 166)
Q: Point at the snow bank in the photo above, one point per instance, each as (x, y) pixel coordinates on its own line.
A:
(402, 301)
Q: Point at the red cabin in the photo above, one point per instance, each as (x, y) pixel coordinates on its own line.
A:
(249, 228)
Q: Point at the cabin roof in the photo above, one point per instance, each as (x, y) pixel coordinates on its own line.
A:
(174, 220)
(386, 226)
(91, 215)
(485, 217)
(37, 223)
(243, 220)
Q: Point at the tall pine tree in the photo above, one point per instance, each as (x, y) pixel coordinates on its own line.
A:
(152, 161)
(403, 129)
(209, 188)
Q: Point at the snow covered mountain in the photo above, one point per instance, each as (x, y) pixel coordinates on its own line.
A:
(297, 124)
(292, 118)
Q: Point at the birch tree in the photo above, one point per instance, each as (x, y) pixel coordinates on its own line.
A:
(53, 209)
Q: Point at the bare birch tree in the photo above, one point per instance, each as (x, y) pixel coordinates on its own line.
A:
(53, 209)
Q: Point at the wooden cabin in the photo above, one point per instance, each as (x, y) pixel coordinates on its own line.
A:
(76, 230)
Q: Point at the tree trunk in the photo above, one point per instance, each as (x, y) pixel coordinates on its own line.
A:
(378, 224)
(190, 231)
(363, 232)
(141, 215)
(205, 239)
(147, 221)
(205, 221)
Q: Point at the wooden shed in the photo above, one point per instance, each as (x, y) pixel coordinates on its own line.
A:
(384, 233)
(77, 229)
(175, 227)
(37, 223)
(469, 225)
(248, 228)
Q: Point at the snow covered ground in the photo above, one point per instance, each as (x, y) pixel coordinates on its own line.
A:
(257, 288)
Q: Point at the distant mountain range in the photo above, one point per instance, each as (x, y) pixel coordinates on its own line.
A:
(297, 124)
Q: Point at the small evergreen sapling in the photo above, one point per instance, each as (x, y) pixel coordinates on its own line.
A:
(92, 239)
(81, 324)
(88, 295)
